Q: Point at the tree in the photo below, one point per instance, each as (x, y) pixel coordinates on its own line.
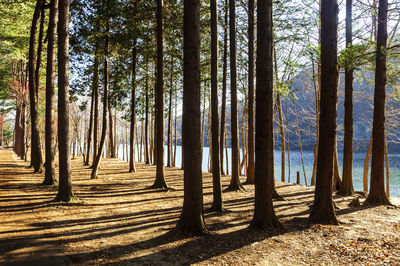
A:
(49, 178)
(132, 167)
(96, 105)
(377, 188)
(250, 170)
(235, 181)
(65, 185)
(347, 182)
(192, 219)
(36, 153)
(218, 204)
(322, 210)
(160, 179)
(264, 214)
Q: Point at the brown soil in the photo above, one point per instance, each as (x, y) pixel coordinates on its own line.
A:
(117, 220)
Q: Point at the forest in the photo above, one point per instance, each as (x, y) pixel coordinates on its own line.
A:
(199, 132)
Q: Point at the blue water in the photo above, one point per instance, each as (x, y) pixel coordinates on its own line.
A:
(295, 165)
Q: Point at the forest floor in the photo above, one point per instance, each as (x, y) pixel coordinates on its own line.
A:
(117, 220)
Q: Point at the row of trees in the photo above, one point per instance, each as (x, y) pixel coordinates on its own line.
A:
(112, 35)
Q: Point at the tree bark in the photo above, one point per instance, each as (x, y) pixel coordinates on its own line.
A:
(65, 184)
(132, 167)
(377, 194)
(49, 177)
(89, 133)
(224, 78)
(36, 153)
(250, 170)
(347, 182)
(235, 181)
(192, 220)
(264, 215)
(169, 151)
(159, 116)
(322, 210)
(146, 120)
(217, 204)
(96, 105)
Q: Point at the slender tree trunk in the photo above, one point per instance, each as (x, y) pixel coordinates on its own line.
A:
(65, 184)
(40, 48)
(387, 169)
(347, 184)
(132, 167)
(282, 134)
(322, 210)
(217, 204)
(224, 79)
(192, 220)
(49, 178)
(111, 143)
(96, 105)
(159, 116)
(366, 165)
(89, 134)
(97, 160)
(175, 135)
(377, 188)
(250, 169)
(235, 181)
(169, 150)
(264, 214)
(146, 119)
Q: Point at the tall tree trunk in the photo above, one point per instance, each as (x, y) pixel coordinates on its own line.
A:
(282, 134)
(49, 177)
(217, 204)
(322, 210)
(65, 184)
(89, 134)
(97, 160)
(146, 119)
(169, 155)
(159, 116)
(377, 188)
(224, 78)
(250, 169)
(192, 220)
(132, 167)
(40, 48)
(36, 153)
(235, 181)
(347, 184)
(110, 150)
(96, 105)
(264, 214)
(175, 132)
(366, 165)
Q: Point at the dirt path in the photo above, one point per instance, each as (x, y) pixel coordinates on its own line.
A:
(117, 220)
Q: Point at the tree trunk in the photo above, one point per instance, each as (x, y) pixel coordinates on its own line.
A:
(49, 178)
(146, 119)
(96, 105)
(132, 167)
(217, 204)
(282, 134)
(192, 220)
(36, 153)
(264, 214)
(235, 181)
(159, 116)
(65, 184)
(322, 210)
(89, 134)
(97, 160)
(377, 188)
(250, 169)
(366, 165)
(347, 184)
(40, 48)
(169, 150)
(110, 150)
(224, 78)
(387, 169)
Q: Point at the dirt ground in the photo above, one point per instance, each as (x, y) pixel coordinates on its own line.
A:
(116, 220)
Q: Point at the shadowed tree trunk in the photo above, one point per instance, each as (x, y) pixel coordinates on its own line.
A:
(192, 220)
(377, 187)
(65, 185)
(322, 210)
(169, 150)
(40, 48)
(132, 167)
(49, 177)
(217, 204)
(159, 116)
(250, 170)
(235, 181)
(89, 133)
(347, 183)
(146, 119)
(224, 77)
(36, 153)
(96, 105)
(96, 162)
(110, 147)
(264, 214)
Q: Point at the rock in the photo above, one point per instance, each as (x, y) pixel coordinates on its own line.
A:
(355, 203)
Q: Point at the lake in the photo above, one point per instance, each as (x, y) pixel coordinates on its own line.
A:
(295, 165)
